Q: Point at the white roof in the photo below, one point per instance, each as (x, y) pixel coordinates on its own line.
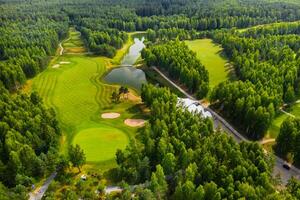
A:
(193, 107)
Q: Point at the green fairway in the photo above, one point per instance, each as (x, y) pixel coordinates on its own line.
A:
(210, 55)
(100, 144)
(72, 84)
(74, 43)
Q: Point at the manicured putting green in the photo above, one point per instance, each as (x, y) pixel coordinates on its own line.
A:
(101, 144)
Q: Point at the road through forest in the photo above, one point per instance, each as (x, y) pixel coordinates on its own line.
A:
(285, 174)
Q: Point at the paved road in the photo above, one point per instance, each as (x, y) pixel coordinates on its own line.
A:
(39, 192)
(220, 121)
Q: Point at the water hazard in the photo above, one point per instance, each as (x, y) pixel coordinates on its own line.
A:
(126, 74)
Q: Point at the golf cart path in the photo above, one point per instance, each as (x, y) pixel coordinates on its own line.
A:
(39, 192)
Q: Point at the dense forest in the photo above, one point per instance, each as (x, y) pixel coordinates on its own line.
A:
(27, 41)
(178, 153)
(179, 156)
(28, 140)
(267, 61)
(31, 31)
(181, 64)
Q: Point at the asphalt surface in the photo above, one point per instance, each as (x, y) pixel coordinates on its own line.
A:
(39, 192)
(219, 121)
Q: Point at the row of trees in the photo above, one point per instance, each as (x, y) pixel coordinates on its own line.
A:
(179, 156)
(103, 42)
(181, 64)
(268, 67)
(172, 33)
(202, 15)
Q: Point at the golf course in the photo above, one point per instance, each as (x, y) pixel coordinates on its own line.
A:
(210, 55)
(73, 84)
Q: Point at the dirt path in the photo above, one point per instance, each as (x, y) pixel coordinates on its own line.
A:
(267, 141)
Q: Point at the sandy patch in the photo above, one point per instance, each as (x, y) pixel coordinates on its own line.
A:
(110, 115)
(55, 66)
(135, 122)
(133, 97)
(64, 62)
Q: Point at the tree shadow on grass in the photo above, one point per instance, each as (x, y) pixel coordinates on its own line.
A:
(138, 111)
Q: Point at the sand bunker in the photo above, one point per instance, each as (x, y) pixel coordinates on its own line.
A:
(64, 62)
(110, 115)
(55, 66)
(135, 122)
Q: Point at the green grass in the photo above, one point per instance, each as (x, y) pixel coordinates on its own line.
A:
(210, 55)
(265, 25)
(274, 129)
(74, 44)
(275, 126)
(100, 144)
(79, 96)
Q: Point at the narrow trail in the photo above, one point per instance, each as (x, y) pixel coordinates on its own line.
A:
(285, 175)
(289, 114)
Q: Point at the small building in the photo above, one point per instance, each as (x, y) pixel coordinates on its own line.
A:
(193, 107)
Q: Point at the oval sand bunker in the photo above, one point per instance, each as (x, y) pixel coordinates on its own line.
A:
(135, 122)
(110, 115)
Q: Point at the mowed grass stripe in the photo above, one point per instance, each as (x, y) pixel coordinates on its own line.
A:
(75, 93)
(51, 81)
(79, 97)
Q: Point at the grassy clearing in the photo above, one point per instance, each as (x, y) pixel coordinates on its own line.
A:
(210, 55)
(275, 126)
(274, 129)
(265, 25)
(79, 96)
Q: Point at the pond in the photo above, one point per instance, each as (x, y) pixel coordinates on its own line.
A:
(126, 74)
(134, 52)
